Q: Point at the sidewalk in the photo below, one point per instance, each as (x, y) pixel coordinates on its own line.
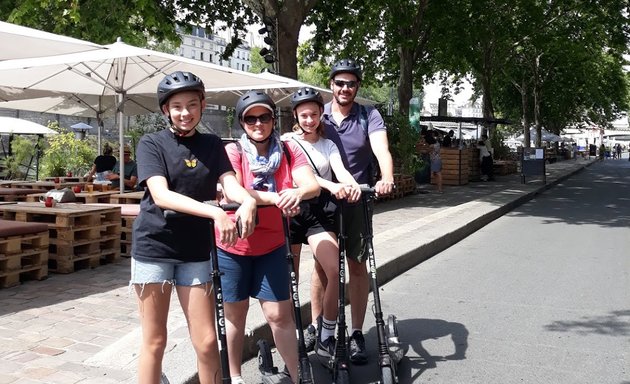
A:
(83, 327)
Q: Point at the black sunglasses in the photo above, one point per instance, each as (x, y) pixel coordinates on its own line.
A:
(348, 83)
(264, 118)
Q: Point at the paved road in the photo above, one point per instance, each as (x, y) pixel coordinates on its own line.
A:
(540, 295)
(83, 328)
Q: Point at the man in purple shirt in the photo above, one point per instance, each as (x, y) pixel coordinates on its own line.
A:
(359, 133)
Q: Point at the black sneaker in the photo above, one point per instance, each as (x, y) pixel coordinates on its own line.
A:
(357, 348)
(326, 348)
(310, 338)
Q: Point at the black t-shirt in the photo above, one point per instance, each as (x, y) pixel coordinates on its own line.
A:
(192, 166)
(446, 142)
(104, 163)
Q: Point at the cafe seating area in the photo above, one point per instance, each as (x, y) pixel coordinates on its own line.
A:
(39, 235)
(23, 252)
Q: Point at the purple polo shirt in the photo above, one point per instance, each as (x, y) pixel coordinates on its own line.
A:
(351, 140)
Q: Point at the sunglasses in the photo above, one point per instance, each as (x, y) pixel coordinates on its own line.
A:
(264, 118)
(348, 83)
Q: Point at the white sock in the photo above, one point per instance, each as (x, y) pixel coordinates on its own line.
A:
(328, 329)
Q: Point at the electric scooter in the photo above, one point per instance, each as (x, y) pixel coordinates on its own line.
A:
(390, 352)
(266, 366)
(338, 363)
(218, 292)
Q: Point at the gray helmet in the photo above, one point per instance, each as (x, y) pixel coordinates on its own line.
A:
(179, 82)
(252, 98)
(346, 66)
(306, 94)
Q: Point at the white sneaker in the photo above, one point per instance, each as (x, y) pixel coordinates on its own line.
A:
(237, 380)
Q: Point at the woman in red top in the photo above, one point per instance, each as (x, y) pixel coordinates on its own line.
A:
(277, 175)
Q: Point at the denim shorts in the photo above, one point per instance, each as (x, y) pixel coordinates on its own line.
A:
(182, 274)
(263, 277)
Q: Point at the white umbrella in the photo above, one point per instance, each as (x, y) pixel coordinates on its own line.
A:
(17, 42)
(20, 126)
(116, 74)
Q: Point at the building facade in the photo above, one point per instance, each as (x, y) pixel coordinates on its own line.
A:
(203, 46)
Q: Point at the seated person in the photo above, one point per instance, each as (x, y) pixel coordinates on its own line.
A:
(131, 173)
(103, 164)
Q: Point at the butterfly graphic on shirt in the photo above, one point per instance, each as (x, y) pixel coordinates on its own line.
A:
(192, 163)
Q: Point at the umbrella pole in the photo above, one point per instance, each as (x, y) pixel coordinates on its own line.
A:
(121, 144)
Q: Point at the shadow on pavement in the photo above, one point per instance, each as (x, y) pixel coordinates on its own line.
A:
(616, 323)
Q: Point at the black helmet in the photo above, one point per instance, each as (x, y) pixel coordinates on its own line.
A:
(254, 99)
(178, 82)
(346, 66)
(304, 95)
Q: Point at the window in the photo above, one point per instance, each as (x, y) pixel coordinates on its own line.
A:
(201, 56)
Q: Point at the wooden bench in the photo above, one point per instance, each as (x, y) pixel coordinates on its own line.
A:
(23, 252)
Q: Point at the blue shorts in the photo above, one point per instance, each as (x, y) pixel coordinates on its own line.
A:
(183, 274)
(263, 277)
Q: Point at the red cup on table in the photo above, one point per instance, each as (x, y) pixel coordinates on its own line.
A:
(76, 189)
(57, 180)
(49, 202)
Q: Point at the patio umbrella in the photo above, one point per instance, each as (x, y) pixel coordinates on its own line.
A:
(10, 125)
(17, 42)
(113, 76)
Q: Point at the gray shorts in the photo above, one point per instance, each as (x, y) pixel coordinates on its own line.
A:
(436, 165)
(182, 274)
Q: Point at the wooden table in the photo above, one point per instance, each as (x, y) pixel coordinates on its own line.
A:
(17, 194)
(82, 197)
(127, 198)
(48, 185)
(66, 179)
(80, 235)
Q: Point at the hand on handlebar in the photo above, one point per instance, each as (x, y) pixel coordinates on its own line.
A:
(228, 232)
(246, 218)
(289, 201)
(383, 187)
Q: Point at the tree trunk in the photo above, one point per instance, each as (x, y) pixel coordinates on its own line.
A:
(289, 16)
(405, 81)
(525, 106)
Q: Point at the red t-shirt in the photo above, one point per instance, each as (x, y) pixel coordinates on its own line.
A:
(268, 234)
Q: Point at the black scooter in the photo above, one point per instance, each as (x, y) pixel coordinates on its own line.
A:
(339, 363)
(270, 374)
(218, 292)
(390, 352)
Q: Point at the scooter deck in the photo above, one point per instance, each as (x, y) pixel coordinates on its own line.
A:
(279, 378)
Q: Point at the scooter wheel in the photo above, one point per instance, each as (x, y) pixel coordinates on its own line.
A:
(387, 375)
(265, 360)
(342, 377)
(392, 328)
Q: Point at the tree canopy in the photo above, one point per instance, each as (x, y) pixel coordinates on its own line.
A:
(550, 63)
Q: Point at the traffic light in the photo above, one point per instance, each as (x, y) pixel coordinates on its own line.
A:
(269, 29)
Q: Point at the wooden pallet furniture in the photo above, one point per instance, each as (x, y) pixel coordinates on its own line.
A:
(126, 198)
(82, 197)
(455, 166)
(81, 236)
(128, 213)
(17, 194)
(23, 252)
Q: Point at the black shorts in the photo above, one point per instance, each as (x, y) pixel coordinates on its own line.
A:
(316, 216)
